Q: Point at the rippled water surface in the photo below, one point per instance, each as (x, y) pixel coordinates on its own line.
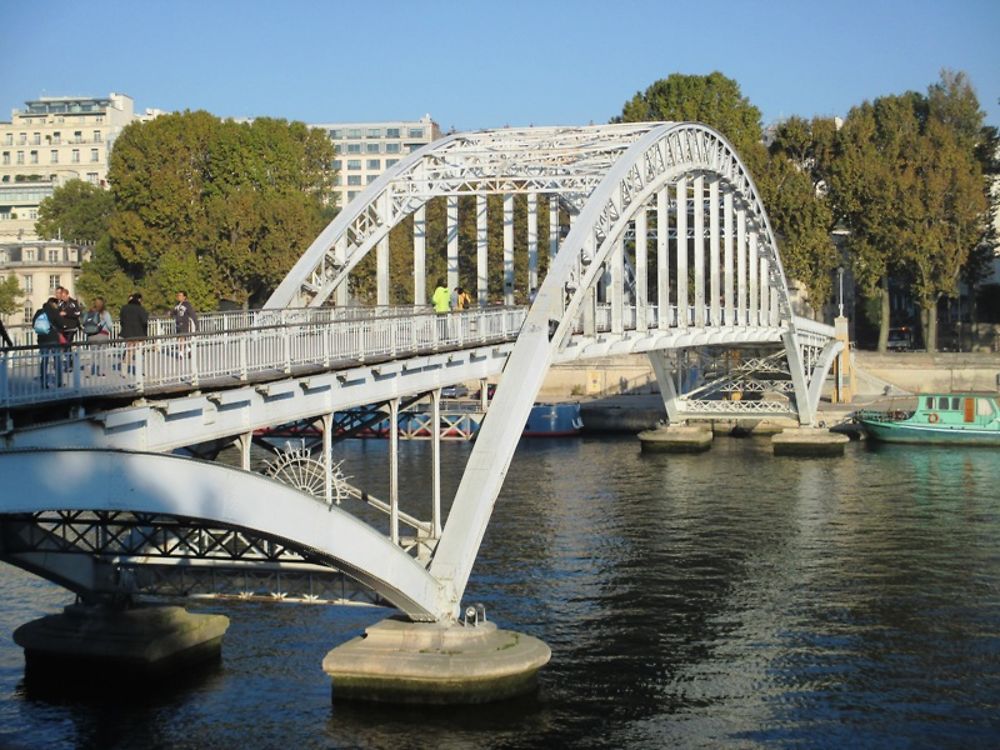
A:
(727, 599)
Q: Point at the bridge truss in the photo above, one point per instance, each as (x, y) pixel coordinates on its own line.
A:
(668, 253)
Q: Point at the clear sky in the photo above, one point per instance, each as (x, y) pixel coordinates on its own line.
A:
(474, 64)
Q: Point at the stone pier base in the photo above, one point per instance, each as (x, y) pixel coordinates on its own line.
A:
(809, 441)
(96, 641)
(396, 661)
(677, 438)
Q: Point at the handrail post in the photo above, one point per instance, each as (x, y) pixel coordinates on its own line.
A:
(194, 361)
(140, 365)
(243, 355)
(74, 361)
(4, 380)
(287, 345)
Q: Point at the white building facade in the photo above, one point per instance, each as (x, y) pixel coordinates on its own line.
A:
(366, 149)
(48, 143)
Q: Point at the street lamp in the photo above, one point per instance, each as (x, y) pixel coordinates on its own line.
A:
(840, 304)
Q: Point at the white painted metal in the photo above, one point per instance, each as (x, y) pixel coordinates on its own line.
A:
(681, 249)
(173, 486)
(553, 226)
(641, 271)
(741, 267)
(436, 463)
(698, 190)
(452, 240)
(394, 470)
(532, 242)
(715, 301)
(663, 257)
(420, 256)
(482, 251)
(508, 249)
(728, 259)
(752, 278)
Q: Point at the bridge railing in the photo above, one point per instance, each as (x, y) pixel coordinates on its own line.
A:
(320, 338)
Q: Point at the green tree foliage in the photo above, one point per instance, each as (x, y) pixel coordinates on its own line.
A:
(799, 216)
(103, 276)
(220, 208)
(76, 212)
(10, 294)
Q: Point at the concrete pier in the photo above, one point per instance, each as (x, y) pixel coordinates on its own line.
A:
(809, 441)
(677, 438)
(99, 641)
(397, 661)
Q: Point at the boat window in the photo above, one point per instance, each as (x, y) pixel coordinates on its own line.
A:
(930, 402)
(943, 402)
(956, 403)
(983, 407)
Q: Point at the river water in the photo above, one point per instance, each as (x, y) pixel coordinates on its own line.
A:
(727, 599)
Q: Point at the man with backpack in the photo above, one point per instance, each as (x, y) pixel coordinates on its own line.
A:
(70, 311)
(97, 326)
(49, 326)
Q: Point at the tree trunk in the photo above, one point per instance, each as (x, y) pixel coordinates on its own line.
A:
(883, 329)
(930, 327)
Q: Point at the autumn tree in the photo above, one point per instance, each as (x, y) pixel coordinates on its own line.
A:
(76, 212)
(10, 294)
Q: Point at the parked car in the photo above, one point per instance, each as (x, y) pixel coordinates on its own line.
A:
(455, 391)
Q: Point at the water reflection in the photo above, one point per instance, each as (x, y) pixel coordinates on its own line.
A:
(728, 598)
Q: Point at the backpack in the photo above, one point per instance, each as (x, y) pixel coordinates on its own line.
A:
(92, 323)
(42, 324)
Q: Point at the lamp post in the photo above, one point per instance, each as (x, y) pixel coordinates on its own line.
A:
(840, 303)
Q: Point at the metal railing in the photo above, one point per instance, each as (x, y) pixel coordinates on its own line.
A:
(279, 343)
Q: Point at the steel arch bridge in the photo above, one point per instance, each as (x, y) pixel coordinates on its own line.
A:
(669, 251)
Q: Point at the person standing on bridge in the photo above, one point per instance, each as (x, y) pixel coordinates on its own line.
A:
(70, 311)
(7, 343)
(135, 325)
(97, 325)
(185, 319)
(441, 299)
(49, 326)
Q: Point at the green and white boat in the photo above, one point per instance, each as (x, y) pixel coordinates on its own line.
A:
(946, 419)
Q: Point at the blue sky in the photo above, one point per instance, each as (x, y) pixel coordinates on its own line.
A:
(487, 64)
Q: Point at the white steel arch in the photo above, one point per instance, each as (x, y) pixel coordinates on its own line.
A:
(156, 483)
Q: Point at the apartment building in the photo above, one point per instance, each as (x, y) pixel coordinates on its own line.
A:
(39, 267)
(52, 140)
(366, 149)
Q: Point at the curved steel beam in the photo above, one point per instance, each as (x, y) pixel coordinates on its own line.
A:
(88, 480)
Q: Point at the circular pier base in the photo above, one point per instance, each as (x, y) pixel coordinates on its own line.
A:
(677, 438)
(809, 441)
(397, 661)
(91, 642)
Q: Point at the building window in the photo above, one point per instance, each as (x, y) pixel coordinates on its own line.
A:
(336, 135)
(53, 255)
(415, 133)
(374, 164)
(29, 311)
(32, 213)
(372, 178)
(77, 136)
(54, 156)
(92, 178)
(354, 148)
(75, 157)
(56, 138)
(390, 162)
(354, 133)
(353, 179)
(372, 148)
(354, 163)
(29, 255)
(392, 133)
(6, 157)
(392, 148)
(411, 147)
(338, 164)
(22, 139)
(36, 139)
(29, 284)
(9, 139)
(94, 155)
(55, 281)
(352, 194)
(20, 157)
(336, 180)
(97, 136)
(34, 157)
(374, 132)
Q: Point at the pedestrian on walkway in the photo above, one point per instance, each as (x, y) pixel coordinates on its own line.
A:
(49, 326)
(135, 325)
(441, 299)
(70, 311)
(97, 325)
(7, 343)
(185, 320)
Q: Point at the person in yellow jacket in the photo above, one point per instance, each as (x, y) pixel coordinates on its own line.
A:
(441, 299)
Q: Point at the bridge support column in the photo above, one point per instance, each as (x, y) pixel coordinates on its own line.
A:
(641, 271)
(699, 251)
(327, 420)
(665, 379)
(715, 292)
(809, 441)
(394, 470)
(532, 243)
(663, 317)
(508, 249)
(727, 254)
(482, 252)
(108, 644)
(420, 256)
(682, 253)
(553, 226)
(245, 440)
(452, 242)
(465, 662)
(436, 462)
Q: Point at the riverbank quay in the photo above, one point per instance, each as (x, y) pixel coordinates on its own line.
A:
(945, 372)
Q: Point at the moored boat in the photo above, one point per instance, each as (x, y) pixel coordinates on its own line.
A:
(946, 418)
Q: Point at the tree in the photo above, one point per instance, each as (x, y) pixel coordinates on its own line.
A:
(223, 208)
(10, 292)
(76, 212)
(103, 276)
